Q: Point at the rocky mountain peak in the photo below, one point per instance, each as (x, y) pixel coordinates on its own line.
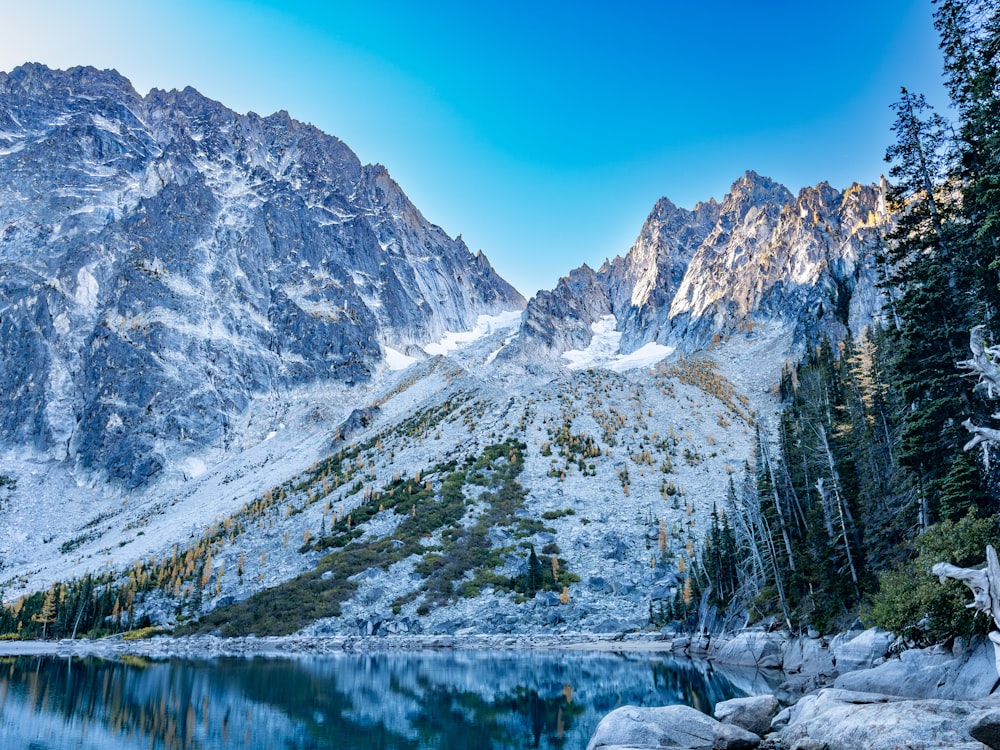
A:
(754, 190)
(761, 254)
(165, 261)
(40, 80)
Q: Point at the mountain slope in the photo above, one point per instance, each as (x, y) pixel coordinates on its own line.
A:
(164, 261)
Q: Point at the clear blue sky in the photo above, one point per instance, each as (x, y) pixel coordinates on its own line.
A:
(541, 132)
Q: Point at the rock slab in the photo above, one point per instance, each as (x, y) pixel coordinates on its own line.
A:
(753, 648)
(668, 727)
(845, 720)
(753, 714)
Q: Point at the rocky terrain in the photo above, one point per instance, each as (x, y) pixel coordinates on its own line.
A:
(241, 369)
(858, 693)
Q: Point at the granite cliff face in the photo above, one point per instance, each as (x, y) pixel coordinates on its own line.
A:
(164, 260)
(762, 255)
(807, 261)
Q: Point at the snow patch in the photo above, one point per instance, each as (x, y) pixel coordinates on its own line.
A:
(485, 325)
(603, 351)
(645, 356)
(61, 324)
(105, 124)
(396, 360)
(86, 289)
(193, 467)
(603, 346)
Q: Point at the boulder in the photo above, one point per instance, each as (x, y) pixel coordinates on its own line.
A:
(862, 650)
(548, 599)
(845, 720)
(808, 744)
(929, 673)
(985, 727)
(753, 714)
(752, 648)
(808, 655)
(668, 727)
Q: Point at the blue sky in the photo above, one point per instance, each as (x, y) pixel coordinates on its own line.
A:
(541, 132)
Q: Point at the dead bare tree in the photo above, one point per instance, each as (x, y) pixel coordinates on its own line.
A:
(983, 364)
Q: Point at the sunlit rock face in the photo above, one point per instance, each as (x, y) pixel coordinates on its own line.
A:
(762, 255)
(645, 281)
(164, 261)
(807, 261)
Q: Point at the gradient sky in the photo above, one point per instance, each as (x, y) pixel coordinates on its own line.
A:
(541, 132)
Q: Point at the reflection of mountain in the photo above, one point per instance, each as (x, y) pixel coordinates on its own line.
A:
(395, 701)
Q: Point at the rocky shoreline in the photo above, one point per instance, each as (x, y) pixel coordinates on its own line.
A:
(854, 690)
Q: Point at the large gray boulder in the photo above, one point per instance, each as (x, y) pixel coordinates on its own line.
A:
(844, 720)
(808, 655)
(929, 673)
(668, 727)
(753, 714)
(854, 650)
(985, 727)
(752, 648)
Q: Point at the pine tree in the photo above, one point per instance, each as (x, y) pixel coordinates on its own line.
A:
(932, 336)
(534, 574)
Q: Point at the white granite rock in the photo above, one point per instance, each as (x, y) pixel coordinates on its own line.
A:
(862, 650)
(753, 714)
(811, 655)
(929, 673)
(753, 648)
(845, 720)
(668, 727)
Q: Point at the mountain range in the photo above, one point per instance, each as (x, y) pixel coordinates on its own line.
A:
(212, 320)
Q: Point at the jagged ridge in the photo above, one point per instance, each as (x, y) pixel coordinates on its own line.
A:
(761, 255)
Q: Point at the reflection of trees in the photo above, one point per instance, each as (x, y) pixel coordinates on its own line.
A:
(111, 694)
(455, 720)
(385, 701)
(312, 701)
(691, 683)
(193, 705)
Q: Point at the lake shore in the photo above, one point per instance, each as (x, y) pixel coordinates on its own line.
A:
(210, 646)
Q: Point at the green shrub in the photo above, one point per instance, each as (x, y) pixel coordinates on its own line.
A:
(914, 604)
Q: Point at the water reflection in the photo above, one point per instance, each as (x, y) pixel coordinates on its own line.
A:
(389, 701)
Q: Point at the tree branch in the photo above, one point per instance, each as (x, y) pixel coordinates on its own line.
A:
(983, 363)
(987, 435)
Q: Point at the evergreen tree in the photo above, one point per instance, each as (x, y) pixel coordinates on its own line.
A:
(534, 574)
(47, 615)
(934, 330)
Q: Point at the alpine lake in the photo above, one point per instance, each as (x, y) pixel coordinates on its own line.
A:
(405, 700)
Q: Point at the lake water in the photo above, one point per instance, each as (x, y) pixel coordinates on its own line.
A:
(444, 700)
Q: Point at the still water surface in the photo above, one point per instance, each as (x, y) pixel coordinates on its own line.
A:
(390, 701)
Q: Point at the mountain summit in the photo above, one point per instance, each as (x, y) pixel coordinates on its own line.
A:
(164, 261)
